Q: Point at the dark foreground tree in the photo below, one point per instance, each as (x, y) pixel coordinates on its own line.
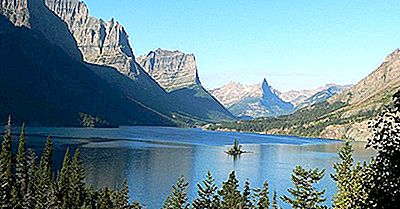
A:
(207, 194)
(230, 194)
(351, 193)
(262, 197)
(179, 198)
(384, 183)
(6, 169)
(304, 194)
(35, 186)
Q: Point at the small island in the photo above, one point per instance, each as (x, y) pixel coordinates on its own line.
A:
(236, 150)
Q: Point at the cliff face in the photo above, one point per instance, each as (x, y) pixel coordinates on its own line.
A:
(171, 69)
(16, 11)
(102, 43)
(46, 82)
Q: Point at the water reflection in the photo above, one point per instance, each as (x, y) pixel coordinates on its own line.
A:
(153, 165)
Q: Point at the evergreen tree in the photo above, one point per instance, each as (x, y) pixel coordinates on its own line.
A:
(230, 194)
(207, 194)
(178, 199)
(105, 201)
(21, 172)
(77, 180)
(275, 201)
(63, 182)
(6, 169)
(168, 203)
(384, 183)
(351, 193)
(45, 188)
(262, 197)
(246, 196)
(29, 197)
(305, 195)
(122, 197)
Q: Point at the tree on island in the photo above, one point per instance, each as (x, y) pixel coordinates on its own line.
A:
(236, 150)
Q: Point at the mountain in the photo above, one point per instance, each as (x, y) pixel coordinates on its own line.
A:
(300, 98)
(322, 94)
(252, 100)
(367, 97)
(46, 82)
(343, 116)
(106, 43)
(176, 72)
(171, 69)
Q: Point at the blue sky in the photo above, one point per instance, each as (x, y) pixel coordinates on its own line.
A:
(294, 44)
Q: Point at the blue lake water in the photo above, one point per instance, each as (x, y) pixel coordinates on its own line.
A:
(153, 158)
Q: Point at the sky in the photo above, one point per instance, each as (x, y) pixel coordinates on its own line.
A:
(294, 44)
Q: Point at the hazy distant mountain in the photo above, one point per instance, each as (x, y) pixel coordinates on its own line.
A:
(253, 100)
(323, 94)
(344, 115)
(177, 73)
(46, 82)
(245, 100)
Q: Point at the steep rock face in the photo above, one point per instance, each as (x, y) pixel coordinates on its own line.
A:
(171, 69)
(102, 43)
(16, 11)
(106, 43)
(176, 72)
(45, 82)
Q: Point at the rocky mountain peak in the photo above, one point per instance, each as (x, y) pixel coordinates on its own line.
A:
(101, 42)
(394, 55)
(171, 69)
(16, 11)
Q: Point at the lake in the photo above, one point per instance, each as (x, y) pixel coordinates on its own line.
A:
(153, 158)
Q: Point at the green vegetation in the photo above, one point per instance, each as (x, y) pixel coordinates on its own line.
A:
(304, 194)
(26, 184)
(236, 150)
(309, 122)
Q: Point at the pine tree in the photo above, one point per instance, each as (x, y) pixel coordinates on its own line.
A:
(207, 194)
(105, 201)
(168, 204)
(29, 197)
(384, 183)
(178, 199)
(77, 180)
(45, 188)
(6, 169)
(262, 196)
(63, 182)
(349, 181)
(122, 197)
(305, 195)
(275, 201)
(230, 194)
(21, 172)
(246, 196)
